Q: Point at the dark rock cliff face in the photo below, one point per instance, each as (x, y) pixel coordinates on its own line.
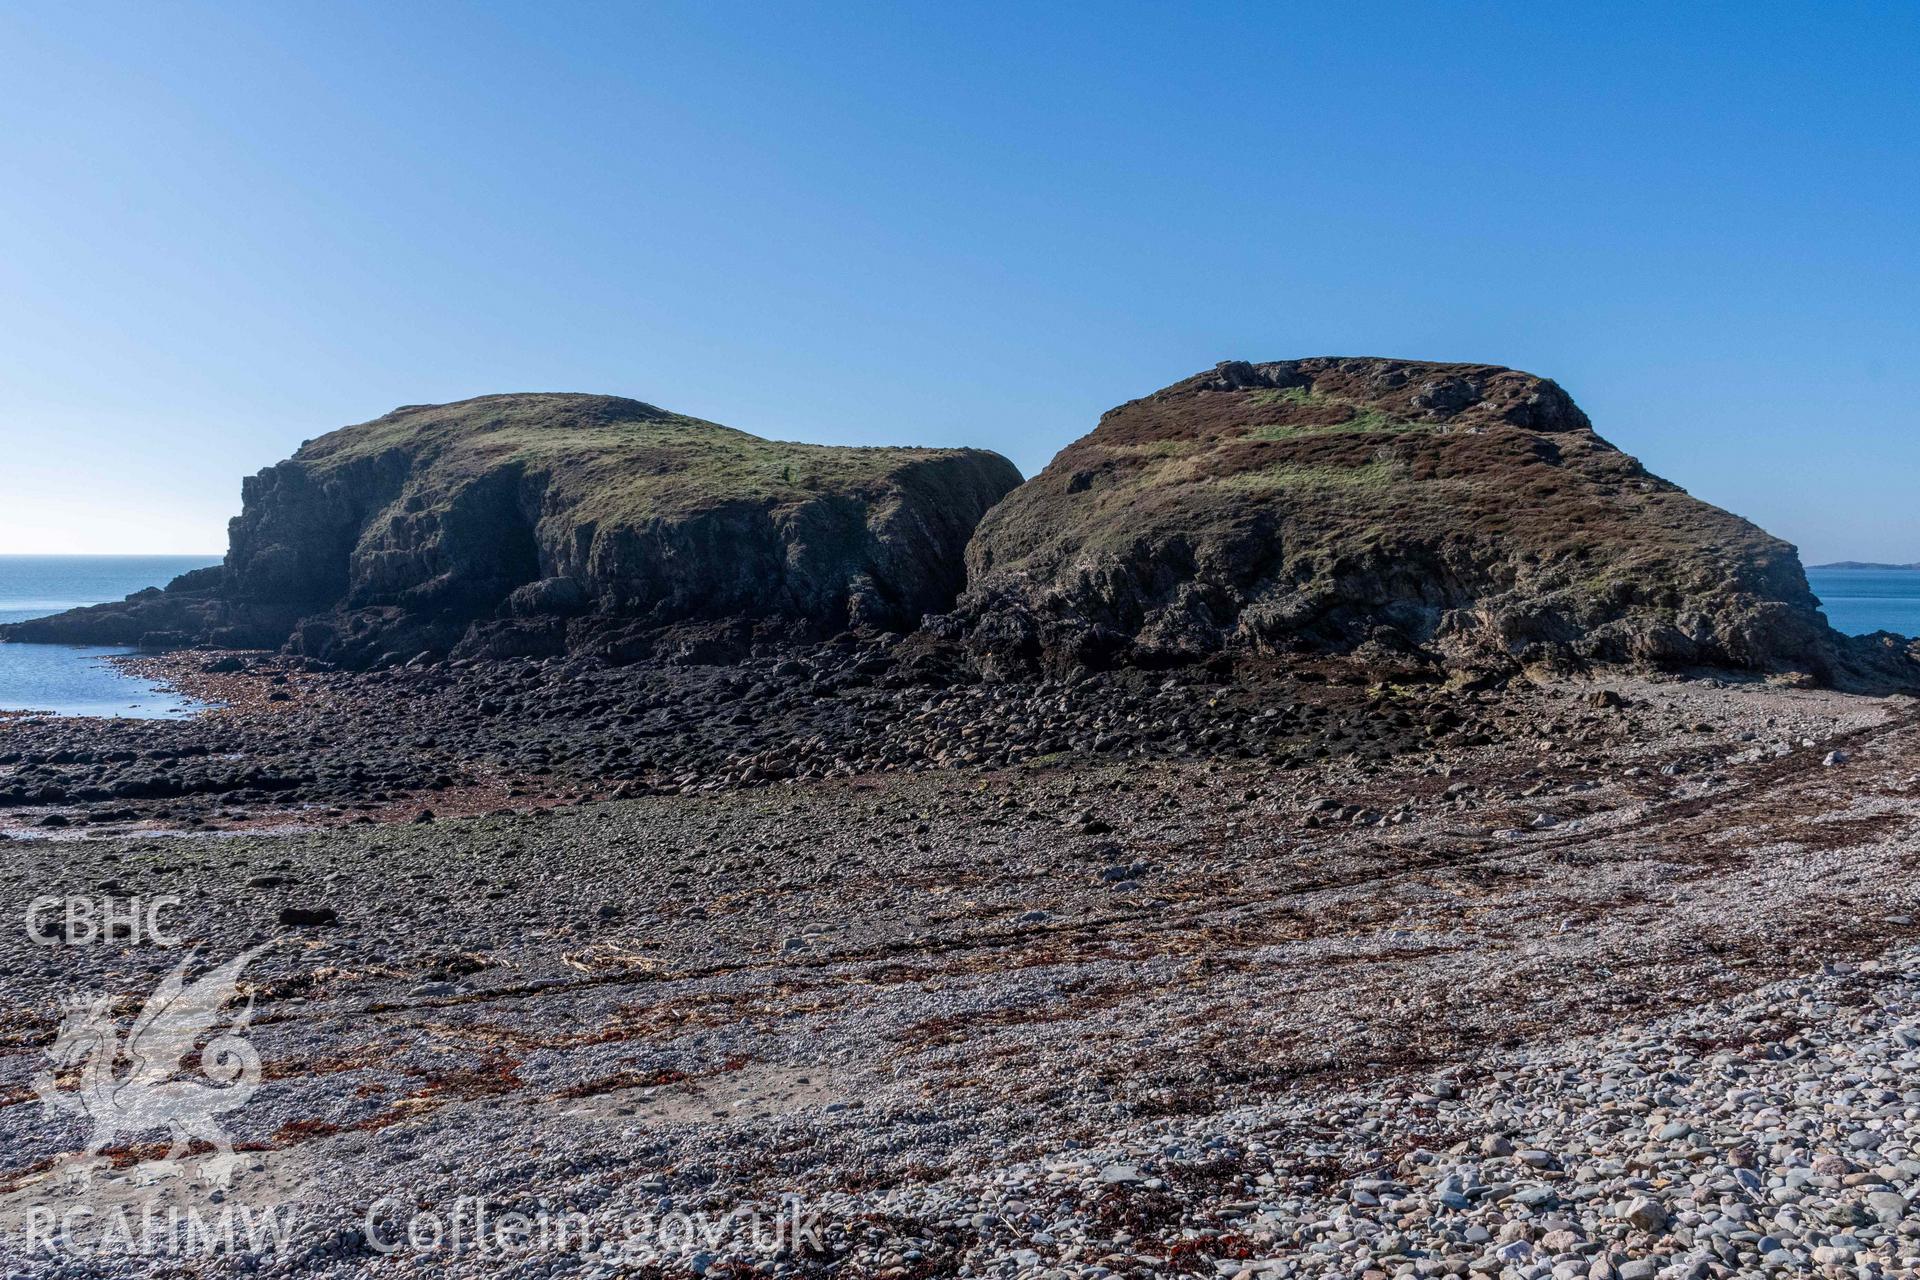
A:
(1446, 516)
(539, 523)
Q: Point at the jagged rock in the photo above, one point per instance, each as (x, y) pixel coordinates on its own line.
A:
(1410, 515)
(537, 524)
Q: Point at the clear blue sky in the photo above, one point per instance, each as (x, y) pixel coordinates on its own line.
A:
(229, 227)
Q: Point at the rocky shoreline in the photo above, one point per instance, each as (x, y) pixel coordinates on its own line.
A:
(286, 744)
(1539, 992)
(1343, 820)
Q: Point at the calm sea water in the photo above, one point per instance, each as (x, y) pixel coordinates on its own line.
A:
(70, 680)
(1861, 601)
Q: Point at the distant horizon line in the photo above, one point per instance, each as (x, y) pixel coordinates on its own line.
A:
(1865, 564)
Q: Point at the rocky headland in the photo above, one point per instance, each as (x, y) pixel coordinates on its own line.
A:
(1341, 821)
(1419, 515)
(1420, 519)
(518, 525)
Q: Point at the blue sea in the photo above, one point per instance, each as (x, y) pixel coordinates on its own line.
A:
(69, 680)
(1862, 601)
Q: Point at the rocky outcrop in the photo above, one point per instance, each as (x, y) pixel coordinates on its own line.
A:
(1413, 514)
(530, 524)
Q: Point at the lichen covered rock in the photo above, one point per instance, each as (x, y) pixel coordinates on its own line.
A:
(1451, 515)
(551, 521)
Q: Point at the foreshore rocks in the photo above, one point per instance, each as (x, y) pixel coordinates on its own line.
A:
(532, 525)
(1419, 516)
(1551, 1000)
(337, 745)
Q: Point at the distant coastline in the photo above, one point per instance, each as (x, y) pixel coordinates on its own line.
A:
(1864, 564)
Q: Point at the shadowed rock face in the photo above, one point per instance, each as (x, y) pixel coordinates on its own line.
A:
(1438, 514)
(534, 523)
